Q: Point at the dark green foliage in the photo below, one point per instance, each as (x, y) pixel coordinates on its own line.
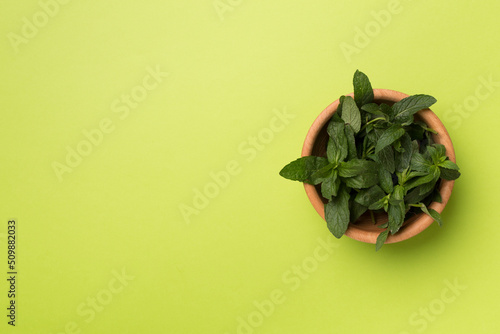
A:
(378, 158)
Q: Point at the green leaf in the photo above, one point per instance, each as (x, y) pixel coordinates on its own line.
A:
(351, 114)
(421, 179)
(332, 151)
(428, 187)
(440, 149)
(363, 92)
(397, 210)
(337, 144)
(302, 168)
(362, 181)
(433, 213)
(385, 180)
(404, 109)
(403, 159)
(351, 142)
(356, 167)
(356, 210)
(337, 213)
(413, 174)
(434, 154)
(436, 196)
(321, 174)
(386, 158)
(419, 163)
(382, 237)
(396, 217)
(341, 103)
(389, 136)
(449, 174)
(449, 164)
(372, 108)
(414, 196)
(330, 185)
(387, 109)
(367, 197)
(378, 204)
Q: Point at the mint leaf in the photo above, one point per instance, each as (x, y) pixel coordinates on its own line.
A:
(382, 237)
(440, 149)
(356, 210)
(419, 163)
(387, 109)
(341, 103)
(337, 144)
(367, 197)
(351, 114)
(403, 159)
(330, 186)
(449, 174)
(363, 92)
(337, 213)
(356, 167)
(434, 155)
(351, 142)
(378, 204)
(389, 136)
(385, 180)
(386, 158)
(436, 196)
(428, 187)
(420, 180)
(321, 174)
(414, 196)
(433, 213)
(404, 109)
(397, 211)
(361, 181)
(371, 108)
(449, 164)
(302, 168)
(396, 217)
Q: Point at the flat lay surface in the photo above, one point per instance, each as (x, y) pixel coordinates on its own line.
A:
(141, 146)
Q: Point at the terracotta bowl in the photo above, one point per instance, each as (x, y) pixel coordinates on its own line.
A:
(364, 229)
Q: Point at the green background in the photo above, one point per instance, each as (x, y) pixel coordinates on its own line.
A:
(250, 258)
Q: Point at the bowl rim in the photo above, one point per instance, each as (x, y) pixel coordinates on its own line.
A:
(412, 226)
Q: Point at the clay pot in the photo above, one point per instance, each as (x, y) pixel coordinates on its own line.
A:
(364, 229)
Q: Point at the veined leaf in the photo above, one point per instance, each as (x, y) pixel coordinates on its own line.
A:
(351, 114)
(385, 180)
(386, 158)
(449, 174)
(363, 92)
(389, 136)
(337, 144)
(367, 197)
(419, 163)
(351, 142)
(449, 164)
(302, 168)
(382, 237)
(433, 213)
(403, 159)
(356, 167)
(330, 185)
(337, 213)
(404, 109)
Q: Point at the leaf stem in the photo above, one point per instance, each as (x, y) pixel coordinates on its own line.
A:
(373, 120)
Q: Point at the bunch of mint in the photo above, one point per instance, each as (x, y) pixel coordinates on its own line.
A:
(378, 157)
